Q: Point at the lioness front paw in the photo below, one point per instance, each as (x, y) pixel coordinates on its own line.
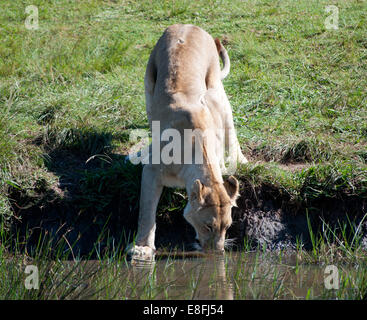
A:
(141, 253)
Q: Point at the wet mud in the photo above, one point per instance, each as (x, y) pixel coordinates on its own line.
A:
(265, 217)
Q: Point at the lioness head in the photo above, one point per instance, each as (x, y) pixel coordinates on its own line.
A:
(209, 211)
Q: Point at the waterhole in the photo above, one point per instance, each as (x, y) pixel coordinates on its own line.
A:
(253, 275)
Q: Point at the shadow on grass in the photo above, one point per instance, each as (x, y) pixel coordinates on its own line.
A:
(94, 207)
(95, 204)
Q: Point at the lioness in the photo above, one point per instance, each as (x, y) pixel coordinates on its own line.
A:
(184, 91)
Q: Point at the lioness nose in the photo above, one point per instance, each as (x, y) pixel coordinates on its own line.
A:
(214, 250)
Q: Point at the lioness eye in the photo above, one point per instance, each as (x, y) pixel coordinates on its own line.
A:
(209, 227)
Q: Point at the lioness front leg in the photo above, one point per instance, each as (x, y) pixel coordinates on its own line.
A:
(150, 192)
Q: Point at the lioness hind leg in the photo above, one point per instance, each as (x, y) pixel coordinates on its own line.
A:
(231, 142)
(217, 101)
(240, 157)
(151, 190)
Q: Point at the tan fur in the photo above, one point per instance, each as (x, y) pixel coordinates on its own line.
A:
(184, 91)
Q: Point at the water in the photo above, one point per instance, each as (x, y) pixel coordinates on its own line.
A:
(234, 276)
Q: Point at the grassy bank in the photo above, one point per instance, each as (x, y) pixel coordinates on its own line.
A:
(72, 91)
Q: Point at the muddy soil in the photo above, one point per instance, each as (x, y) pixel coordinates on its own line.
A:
(264, 216)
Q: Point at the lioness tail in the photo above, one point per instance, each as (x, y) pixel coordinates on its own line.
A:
(225, 59)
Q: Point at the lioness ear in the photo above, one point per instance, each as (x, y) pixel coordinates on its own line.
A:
(232, 186)
(197, 193)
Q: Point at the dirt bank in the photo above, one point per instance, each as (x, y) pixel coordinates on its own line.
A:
(97, 207)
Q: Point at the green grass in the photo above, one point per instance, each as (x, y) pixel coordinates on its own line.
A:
(298, 90)
(72, 91)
